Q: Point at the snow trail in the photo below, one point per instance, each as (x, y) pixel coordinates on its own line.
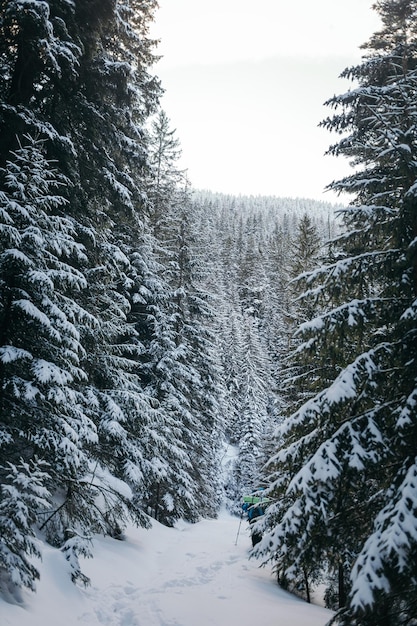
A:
(191, 575)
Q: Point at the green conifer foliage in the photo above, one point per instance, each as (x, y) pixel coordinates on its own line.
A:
(344, 475)
(42, 408)
(76, 75)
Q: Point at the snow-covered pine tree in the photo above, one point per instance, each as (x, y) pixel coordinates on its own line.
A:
(197, 321)
(345, 475)
(78, 74)
(253, 403)
(109, 111)
(164, 457)
(278, 322)
(165, 180)
(228, 314)
(305, 248)
(305, 253)
(118, 405)
(180, 367)
(23, 496)
(42, 407)
(39, 62)
(105, 121)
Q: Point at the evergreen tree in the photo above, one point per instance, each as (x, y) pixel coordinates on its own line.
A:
(42, 407)
(166, 180)
(345, 474)
(179, 365)
(37, 56)
(77, 74)
(23, 497)
(305, 247)
(166, 458)
(197, 320)
(253, 412)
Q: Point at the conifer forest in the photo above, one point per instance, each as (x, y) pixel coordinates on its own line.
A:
(145, 324)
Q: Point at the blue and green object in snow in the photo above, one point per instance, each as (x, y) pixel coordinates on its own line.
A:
(256, 499)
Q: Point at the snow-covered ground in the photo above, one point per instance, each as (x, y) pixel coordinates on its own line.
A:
(191, 575)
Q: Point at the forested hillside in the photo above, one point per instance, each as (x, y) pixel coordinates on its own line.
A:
(145, 324)
(250, 249)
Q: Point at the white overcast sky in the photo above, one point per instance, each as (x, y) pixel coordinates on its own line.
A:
(245, 84)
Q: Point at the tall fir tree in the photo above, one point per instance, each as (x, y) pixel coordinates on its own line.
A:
(77, 74)
(179, 364)
(344, 477)
(43, 408)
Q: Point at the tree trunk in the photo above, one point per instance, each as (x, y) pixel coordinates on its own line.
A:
(341, 586)
(307, 586)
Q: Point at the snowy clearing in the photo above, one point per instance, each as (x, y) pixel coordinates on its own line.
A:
(191, 575)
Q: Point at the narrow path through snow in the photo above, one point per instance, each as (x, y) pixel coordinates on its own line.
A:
(192, 575)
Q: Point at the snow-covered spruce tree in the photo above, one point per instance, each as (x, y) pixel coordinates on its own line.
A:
(168, 491)
(42, 409)
(105, 115)
(23, 496)
(278, 321)
(251, 385)
(179, 366)
(117, 404)
(345, 476)
(164, 457)
(78, 74)
(110, 109)
(305, 248)
(165, 179)
(305, 253)
(231, 347)
(168, 482)
(196, 323)
(253, 402)
(39, 62)
(229, 316)
(109, 112)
